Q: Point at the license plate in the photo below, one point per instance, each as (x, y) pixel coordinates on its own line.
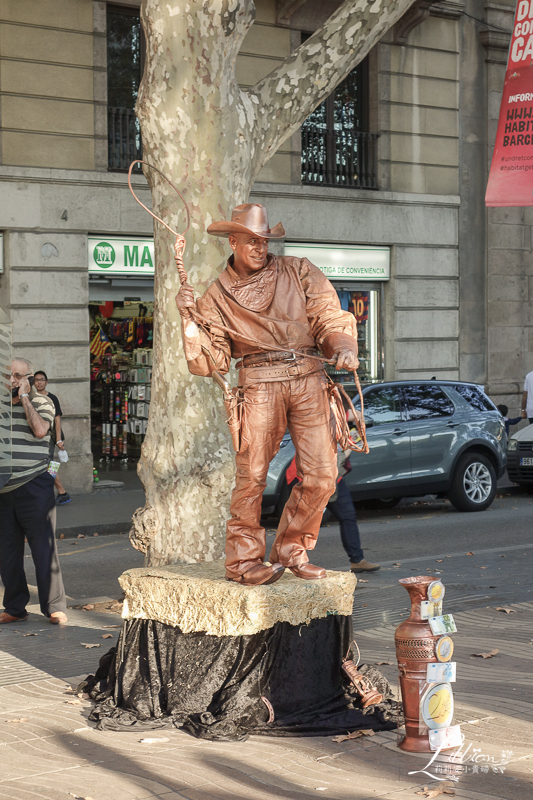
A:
(526, 462)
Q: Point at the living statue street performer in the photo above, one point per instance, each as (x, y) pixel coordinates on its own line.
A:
(288, 304)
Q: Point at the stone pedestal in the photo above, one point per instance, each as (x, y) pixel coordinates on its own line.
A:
(198, 598)
(222, 660)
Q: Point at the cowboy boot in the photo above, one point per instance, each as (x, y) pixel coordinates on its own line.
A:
(304, 570)
(259, 575)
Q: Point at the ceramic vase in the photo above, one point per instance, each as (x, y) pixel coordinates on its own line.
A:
(415, 649)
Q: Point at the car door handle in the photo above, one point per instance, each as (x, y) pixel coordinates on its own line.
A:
(398, 431)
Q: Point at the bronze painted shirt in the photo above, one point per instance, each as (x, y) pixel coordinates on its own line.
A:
(289, 304)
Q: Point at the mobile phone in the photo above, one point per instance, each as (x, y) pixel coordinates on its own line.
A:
(15, 391)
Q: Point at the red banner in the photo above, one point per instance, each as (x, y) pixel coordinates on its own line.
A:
(511, 172)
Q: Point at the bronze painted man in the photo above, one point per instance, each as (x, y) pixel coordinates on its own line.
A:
(289, 305)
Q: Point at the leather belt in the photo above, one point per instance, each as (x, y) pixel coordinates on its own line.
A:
(268, 357)
(281, 371)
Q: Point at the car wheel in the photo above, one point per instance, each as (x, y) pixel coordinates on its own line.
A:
(383, 503)
(474, 483)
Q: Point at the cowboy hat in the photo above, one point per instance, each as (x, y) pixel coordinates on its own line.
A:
(247, 218)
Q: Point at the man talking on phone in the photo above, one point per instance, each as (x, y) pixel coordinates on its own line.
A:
(27, 504)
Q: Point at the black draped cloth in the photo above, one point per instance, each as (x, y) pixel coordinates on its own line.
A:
(284, 681)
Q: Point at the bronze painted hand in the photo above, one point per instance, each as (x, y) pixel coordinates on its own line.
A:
(346, 359)
(185, 300)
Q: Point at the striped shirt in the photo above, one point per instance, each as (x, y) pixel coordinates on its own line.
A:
(30, 455)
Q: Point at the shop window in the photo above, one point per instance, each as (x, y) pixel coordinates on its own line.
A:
(125, 63)
(365, 306)
(121, 338)
(428, 402)
(337, 150)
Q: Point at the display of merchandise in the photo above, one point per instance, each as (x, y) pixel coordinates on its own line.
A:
(120, 384)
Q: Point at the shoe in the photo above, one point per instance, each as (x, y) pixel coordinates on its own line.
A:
(259, 575)
(308, 572)
(63, 499)
(5, 618)
(364, 566)
(58, 618)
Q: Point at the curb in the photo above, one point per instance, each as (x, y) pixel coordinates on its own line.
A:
(101, 528)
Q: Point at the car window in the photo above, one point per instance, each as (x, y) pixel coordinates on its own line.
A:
(475, 397)
(383, 405)
(428, 402)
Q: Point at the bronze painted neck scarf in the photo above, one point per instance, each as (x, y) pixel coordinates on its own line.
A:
(255, 293)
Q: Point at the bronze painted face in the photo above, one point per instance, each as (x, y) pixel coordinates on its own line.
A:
(250, 253)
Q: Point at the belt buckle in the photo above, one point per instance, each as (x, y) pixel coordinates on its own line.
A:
(293, 371)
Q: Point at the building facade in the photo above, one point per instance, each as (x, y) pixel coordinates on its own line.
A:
(383, 188)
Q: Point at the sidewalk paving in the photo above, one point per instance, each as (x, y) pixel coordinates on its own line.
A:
(100, 513)
(51, 751)
(103, 512)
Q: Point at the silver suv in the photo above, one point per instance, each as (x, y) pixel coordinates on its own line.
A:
(425, 437)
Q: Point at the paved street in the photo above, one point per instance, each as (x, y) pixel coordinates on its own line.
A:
(52, 752)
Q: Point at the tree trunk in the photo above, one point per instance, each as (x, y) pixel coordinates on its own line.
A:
(190, 113)
(211, 138)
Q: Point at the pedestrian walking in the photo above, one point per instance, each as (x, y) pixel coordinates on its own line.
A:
(342, 506)
(527, 398)
(56, 434)
(27, 504)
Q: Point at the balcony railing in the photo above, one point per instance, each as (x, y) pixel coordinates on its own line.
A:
(124, 138)
(339, 158)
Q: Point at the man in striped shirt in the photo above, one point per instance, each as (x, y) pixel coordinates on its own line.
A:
(27, 505)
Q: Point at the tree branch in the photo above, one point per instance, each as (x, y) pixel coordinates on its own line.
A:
(286, 96)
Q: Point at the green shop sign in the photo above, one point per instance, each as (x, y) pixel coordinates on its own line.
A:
(116, 255)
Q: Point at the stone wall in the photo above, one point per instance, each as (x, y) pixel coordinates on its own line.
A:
(424, 103)
(263, 48)
(53, 84)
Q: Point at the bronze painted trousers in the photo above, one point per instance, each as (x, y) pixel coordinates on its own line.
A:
(302, 405)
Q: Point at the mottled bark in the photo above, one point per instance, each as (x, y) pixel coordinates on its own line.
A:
(212, 138)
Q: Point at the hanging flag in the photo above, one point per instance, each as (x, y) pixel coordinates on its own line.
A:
(511, 172)
(100, 343)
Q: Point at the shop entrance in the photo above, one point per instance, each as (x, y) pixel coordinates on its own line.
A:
(121, 308)
(121, 337)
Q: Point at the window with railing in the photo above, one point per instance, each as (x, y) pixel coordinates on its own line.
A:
(125, 62)
(336, 148)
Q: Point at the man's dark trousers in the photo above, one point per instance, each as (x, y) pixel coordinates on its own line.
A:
(344, 510)
(29, 511)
